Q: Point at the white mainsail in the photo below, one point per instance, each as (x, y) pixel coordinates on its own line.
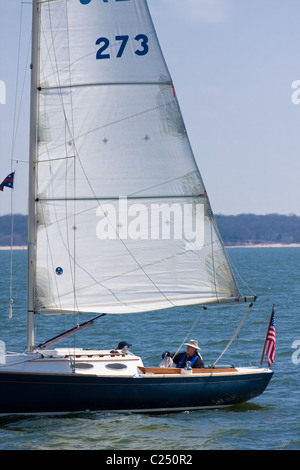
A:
(123, 221)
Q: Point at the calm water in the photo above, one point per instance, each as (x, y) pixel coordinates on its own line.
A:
(270, 421)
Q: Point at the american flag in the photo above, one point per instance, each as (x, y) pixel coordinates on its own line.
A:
(8, 181)
(271, 341)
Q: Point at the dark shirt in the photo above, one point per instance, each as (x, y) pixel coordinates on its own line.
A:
(198, 364)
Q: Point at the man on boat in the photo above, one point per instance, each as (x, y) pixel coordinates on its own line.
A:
(191, 355)
(124, 345)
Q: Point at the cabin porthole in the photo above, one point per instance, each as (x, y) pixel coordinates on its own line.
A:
(116, 366)
(83, 365)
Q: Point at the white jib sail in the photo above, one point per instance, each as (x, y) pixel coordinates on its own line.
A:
(123, 220)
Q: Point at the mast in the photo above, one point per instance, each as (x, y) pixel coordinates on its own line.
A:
(31, 190)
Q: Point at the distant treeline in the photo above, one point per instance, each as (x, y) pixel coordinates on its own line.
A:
(19, 223)
(235, 229)
(256, 229)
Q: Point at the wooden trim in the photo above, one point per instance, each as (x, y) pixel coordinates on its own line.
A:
(86, 358)
(174, 370)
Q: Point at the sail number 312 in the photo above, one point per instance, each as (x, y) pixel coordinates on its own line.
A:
(142, 47)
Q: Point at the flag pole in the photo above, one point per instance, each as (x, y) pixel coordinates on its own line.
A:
(262, 356)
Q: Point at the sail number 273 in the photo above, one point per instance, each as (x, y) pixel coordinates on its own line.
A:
(142, 47)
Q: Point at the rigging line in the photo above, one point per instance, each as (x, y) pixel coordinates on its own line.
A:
(241, 279)
(212, 253)
(14, 134)
(228, 259)
(191, 329)
(235, 333)
(17, 79)
(11, 252)
(17, 118)
(11, 245)
(22, 94)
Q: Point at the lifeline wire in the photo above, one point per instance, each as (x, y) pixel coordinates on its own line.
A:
(204, 308)
(236, 332)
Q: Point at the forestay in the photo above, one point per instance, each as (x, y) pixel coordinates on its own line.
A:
(123, 220)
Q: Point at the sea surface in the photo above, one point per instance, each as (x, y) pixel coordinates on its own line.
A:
(269, 422)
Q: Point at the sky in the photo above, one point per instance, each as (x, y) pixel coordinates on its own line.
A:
(235, 65)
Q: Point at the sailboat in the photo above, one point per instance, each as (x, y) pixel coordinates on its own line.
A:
(119, 218)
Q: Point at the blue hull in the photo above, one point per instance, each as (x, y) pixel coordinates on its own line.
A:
(53, 393)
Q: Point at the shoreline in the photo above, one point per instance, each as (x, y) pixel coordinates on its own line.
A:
(258, 245)
(2, 248)
(265, 245)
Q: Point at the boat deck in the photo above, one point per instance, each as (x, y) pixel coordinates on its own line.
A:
(174, 370)
(162, 371)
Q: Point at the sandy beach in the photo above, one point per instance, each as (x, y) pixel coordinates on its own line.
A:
(14, 247)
